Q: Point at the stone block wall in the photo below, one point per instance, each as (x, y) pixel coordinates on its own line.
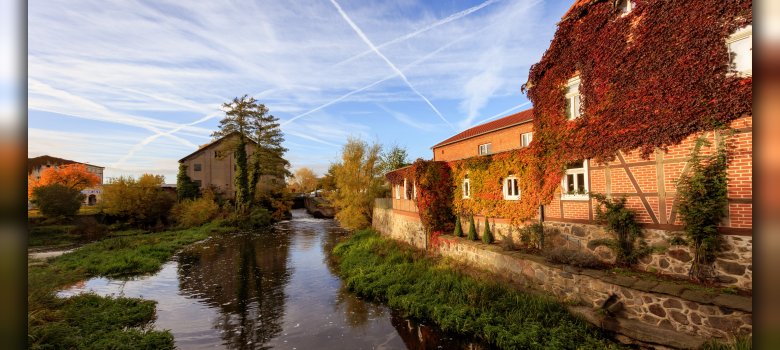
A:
(673, 314)
(691, 314)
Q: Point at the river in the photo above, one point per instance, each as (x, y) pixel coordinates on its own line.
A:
(275, 288)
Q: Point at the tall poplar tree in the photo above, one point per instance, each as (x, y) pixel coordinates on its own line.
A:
(251, 122)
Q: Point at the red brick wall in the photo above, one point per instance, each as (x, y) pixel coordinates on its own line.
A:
(501, 140)
(649, 184)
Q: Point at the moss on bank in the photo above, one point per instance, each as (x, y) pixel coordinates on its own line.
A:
(91, 321)
(426, 288)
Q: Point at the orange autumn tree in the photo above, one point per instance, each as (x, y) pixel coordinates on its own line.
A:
(73, 176)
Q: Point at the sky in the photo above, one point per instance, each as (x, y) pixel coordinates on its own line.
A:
(134, 86)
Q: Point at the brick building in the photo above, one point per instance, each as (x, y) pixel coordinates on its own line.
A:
(648, 183)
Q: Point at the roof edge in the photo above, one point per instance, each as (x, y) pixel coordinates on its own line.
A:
(480, 134)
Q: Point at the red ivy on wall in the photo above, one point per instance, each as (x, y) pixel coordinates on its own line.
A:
(648, 79)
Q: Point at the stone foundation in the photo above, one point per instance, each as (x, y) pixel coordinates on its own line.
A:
(678, 315)
(733, 267)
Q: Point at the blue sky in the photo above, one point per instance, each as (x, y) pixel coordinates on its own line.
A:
(136, 85)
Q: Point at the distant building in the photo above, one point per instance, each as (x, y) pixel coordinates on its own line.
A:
(211, 165)
(504, 134)
(92, 195)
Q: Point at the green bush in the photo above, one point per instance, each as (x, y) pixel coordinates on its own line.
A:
(57, 200)
(195, 212)
(703, 202)
(628, 244)
(487, 236)
(532, 236)
(472, 229)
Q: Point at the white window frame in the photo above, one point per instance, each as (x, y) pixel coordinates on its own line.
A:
(414, 189)
(397, 191)
(466, 187)
(574, 172)
(484, 149)
(507, 188)
(526, 138)
(744, 33)
(626, 6)
(573, 99)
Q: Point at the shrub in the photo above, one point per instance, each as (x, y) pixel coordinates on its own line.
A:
(260, 217)
(472, 229)
(89, 229)
(487, 236)
(57, 200)
(143, 202)
(532, 236)
(703, 202)
(507, 243)
(573, 257)
(458, 229)
(190, 213)
(628, 244)
(185, 187)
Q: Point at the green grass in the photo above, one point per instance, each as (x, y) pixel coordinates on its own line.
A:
(52, 236)
(91, 321)
(738, 343)
(426, 288)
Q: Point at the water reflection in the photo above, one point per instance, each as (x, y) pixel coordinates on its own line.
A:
(272, 289)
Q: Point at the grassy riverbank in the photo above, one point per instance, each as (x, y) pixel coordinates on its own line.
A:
(427, 288)
(90, 321)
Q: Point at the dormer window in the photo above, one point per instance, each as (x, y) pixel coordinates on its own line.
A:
(511, 190)
(626, 6)
(484, 149)
(740, 45)
(573, 101)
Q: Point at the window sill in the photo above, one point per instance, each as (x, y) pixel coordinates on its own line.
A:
(575, 197)
(512, 198)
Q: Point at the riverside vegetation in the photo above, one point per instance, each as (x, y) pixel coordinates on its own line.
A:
(94, 322)
(428, 288)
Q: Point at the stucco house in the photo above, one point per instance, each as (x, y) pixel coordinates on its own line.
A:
(211, 165)
(92, 195)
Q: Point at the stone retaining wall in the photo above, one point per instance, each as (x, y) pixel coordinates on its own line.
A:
(733, 267)
(680, 315)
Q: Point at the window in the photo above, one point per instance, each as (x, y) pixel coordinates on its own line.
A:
(197, 167)
(511, 190)
(414, 186)
(408, 190)
(573, 98)
(466, 188)
(484, 149)
(626, 6)
(526, 138)
(575, 182)
(397, 191)
(740, 45)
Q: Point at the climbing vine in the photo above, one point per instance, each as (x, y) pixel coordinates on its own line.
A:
(648, 79)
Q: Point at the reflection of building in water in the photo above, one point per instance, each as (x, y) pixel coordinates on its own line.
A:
(244, 277)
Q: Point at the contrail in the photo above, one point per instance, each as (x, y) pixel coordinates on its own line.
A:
(398, 71)
(503, 113)
(410, 65)
(446, 20)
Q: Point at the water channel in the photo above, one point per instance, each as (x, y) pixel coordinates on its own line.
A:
(272, 289)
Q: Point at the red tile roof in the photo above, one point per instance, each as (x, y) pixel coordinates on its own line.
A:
(505, 122)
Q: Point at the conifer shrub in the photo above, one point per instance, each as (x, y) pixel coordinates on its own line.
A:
(472, 235)
(458, 229)
(487, 236)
